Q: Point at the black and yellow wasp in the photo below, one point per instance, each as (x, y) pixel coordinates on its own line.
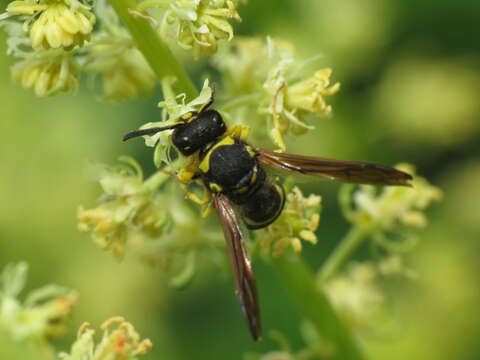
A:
(233, 174)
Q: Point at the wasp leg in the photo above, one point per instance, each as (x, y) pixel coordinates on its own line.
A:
(206, 202)
(239, 132)
(189, 172)
(207, 210)
(185, 175)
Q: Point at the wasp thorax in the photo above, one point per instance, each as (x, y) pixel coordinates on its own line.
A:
(198, 132)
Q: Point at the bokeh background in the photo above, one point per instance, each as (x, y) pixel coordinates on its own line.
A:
(410, 93)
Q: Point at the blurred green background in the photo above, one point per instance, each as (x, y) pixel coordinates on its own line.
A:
(410, 93)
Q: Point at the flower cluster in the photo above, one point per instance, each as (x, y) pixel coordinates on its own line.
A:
(120, 341)
(54, 23)
(197, 25)
(394, 205)
(268, 77)
(47, 74)
(356, 295)
(56, 42)
(158, 227)
(112, 54)
(359, 294)
(52, 31)
(43, 312)
(128, 206)
(299, 221)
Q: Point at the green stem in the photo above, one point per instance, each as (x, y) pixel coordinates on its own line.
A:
(146, 4)
(157, 54)
(241, 101)
(315, 306)
(155, 181)
(348, 245)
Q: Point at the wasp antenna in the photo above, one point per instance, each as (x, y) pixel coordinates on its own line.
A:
(151, 131)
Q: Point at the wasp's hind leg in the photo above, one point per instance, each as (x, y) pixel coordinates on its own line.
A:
(205, 202)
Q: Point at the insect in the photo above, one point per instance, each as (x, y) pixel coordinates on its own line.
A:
(234, 177)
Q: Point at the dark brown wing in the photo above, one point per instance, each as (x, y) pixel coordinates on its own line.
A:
(348, 171)
(242, 270)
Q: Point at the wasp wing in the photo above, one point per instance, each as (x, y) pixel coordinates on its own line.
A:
(347, 171)
(242, 269)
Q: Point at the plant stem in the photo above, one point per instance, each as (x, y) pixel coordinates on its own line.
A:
(241, 101)
(350, 242)
(155, 51)
(315, 306)
(155, 181)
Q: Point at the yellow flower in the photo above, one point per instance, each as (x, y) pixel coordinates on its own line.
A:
(395, 205)
(198, 24)
(120, 341)
(128, 209)
(356, 295)
(267, 78)
(55, 24)
(43, 312)
(293, 98)
(298, 221)
(307, 95)
(47, 75)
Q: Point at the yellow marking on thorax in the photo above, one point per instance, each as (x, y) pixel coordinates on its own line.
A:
(239, 132)
(205, 163)
(215, 187)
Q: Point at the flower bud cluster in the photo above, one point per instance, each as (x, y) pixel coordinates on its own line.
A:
(52, 31)
(55, 23)
(120, 341)
(49, 74)
(41, 314)
(197, 25)
(269, 76)
(128, 207)
(394, 205)
(159, 227)
(298, 221)
(356, 295)
(359, 294)
(57, 42)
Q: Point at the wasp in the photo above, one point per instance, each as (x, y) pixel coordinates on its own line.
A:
(233, 174)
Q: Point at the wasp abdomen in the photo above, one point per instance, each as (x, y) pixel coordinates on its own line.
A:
(264, 206)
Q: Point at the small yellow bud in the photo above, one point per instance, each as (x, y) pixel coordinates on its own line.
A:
(47, 76)
(23, 8)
